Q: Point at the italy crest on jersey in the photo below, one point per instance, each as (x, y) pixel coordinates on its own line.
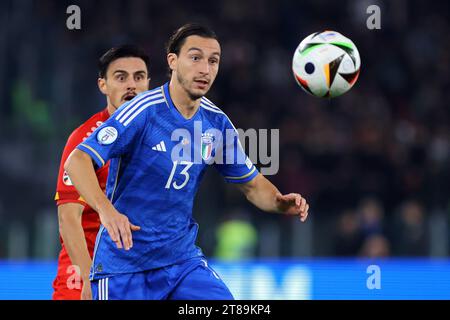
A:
(207, 145)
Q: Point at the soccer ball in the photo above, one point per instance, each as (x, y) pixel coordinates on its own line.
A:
(326, 64)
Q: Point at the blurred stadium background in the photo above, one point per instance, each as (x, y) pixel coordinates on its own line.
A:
(373, 164)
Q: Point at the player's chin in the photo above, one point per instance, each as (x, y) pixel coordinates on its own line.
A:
(197, 93)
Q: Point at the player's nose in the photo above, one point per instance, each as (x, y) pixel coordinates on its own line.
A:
(131, 84)
(204, 68)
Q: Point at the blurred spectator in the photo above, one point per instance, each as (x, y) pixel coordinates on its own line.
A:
(348, 237)
(371, 217)
(411, 237)
(375, 246)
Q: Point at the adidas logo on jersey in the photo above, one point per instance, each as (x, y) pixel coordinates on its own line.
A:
(160, 147)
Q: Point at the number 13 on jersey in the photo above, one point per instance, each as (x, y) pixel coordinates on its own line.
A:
(183, 172)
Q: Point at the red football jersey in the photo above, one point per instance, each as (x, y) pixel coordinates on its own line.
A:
(65, 284)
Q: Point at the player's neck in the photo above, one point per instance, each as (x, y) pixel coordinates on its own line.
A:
(111, 109)
(181, 100)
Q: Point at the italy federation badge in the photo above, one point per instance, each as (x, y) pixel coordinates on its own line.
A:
(207, 146)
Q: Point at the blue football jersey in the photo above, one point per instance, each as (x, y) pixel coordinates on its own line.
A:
(158, 158)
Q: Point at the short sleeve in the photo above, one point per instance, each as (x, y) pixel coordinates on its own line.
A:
(236, 166)
(116, 135)
(65, 190)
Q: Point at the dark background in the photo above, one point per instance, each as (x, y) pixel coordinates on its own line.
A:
(373, 164)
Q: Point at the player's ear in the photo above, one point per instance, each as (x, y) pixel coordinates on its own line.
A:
(101, 82)
(172, 61)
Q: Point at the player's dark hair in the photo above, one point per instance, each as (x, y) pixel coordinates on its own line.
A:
(178, 38)
(123, 51)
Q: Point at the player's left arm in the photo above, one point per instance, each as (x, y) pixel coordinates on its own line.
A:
(264, 195)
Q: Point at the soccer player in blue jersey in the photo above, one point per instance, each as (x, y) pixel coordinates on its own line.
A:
(159, 145)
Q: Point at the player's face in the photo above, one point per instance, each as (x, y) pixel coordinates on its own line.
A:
(125, 78)
(197, 65)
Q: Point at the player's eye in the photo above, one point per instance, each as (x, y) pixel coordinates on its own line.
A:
(213, 61)
(121, 78)
(195, 58)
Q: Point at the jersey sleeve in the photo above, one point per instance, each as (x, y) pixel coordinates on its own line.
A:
(65, 190)
(116, 136)
(236, 166)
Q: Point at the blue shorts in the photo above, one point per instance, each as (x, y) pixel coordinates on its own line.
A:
(190, 280)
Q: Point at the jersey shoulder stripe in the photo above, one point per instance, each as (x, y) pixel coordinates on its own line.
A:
(208, 103)
(137, 105)
(142, 108)
(125, 107)
(206, 107)
(137, 101)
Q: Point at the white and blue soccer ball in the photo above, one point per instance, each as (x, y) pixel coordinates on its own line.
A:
(326, 64)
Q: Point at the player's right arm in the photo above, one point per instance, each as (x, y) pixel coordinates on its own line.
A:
(116, 137)
(81, 170)
(70, 210)
(72, 233)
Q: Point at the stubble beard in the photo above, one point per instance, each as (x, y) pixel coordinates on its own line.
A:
(185, 85)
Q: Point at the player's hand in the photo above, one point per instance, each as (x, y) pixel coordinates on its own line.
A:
(119, 228)
(86, 292)
(293, 204)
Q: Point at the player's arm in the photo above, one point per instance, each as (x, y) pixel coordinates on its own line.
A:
(72, 233)
(81, 170)
(264, 195)
(70, 209)
(258, 190)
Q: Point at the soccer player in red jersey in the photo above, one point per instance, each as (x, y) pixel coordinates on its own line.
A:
(123, 73)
